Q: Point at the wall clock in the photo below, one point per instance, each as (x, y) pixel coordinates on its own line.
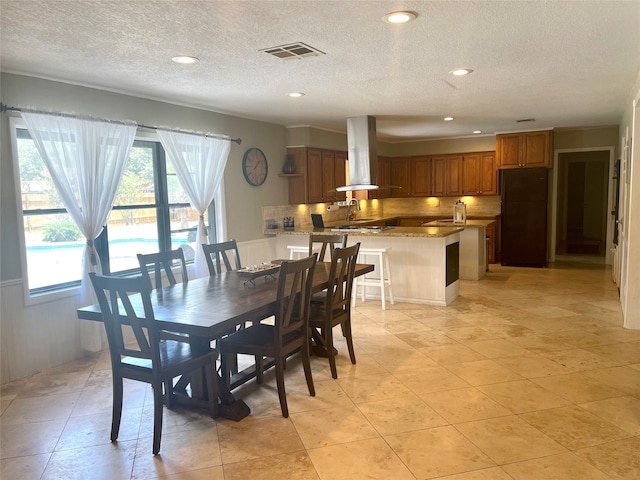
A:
(254, 166)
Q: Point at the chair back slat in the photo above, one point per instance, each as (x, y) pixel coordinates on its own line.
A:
(341, 273)
(163, 262)
(332, 241)
(217, 253)
(118, 313)
(293, 295)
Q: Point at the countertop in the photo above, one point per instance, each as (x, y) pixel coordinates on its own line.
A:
(470, 223)
(426, 232)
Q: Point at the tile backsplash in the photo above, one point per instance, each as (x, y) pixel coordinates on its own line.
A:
(387, 207)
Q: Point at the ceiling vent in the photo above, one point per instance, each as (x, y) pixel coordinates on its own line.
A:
(524, 120)
(293, 50)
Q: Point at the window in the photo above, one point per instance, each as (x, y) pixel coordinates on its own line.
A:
(151, 212)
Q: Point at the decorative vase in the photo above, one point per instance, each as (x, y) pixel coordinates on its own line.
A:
(289, 165)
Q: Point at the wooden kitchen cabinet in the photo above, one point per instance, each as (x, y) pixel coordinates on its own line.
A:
(446, 175)
(384, 178)
(340, 174)
(480, 175)
(401, 177)
(316, 177)
(318, 173)
(421, 183)
(524, 150)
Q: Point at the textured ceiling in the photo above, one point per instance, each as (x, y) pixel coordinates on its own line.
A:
(566, 64)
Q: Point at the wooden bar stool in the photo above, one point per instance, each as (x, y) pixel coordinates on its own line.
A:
(383, 282)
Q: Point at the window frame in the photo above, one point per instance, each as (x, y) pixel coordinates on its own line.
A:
(161, 205)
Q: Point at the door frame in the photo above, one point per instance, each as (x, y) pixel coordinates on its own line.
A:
(554, 199)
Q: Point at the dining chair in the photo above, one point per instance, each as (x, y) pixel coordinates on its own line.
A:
(324, 240)
(336, 309)
(163, 262)
(148, 359)
(288, 334)
(321, 241)
(217, 253)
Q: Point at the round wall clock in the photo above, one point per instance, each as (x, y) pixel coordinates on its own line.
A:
(254, 166)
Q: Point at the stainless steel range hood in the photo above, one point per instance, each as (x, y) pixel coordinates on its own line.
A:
(363, 154)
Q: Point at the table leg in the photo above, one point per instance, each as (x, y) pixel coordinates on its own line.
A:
(230, 407)
(318, 347)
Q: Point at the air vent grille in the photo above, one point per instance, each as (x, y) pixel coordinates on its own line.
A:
(524, 120)
(293, 50)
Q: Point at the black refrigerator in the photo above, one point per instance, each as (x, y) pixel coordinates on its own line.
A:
(523, 221)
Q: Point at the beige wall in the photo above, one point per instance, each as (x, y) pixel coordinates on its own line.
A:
(316, 137)
(243, 202)
(484, 143)
(568, 138)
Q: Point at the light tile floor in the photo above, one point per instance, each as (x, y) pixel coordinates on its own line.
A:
(527, 376)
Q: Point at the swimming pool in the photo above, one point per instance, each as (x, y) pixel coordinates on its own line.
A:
(55, 263)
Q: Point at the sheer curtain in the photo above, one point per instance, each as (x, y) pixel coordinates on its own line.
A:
(199, 163)
(86, 159)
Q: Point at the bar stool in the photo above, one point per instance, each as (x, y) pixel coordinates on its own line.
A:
(298, 250)
(383, 282)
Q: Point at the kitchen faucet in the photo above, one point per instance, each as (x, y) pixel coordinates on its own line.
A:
(352, 203)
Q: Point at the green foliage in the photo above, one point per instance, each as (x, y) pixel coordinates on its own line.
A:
(61, 231)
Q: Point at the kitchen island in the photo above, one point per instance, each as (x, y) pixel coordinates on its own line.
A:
(423, 260)
(473, 247)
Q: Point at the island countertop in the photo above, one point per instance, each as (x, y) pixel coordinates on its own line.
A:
(426, 232)
(469, 223)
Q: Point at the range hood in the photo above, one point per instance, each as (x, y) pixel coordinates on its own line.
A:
(363, 154)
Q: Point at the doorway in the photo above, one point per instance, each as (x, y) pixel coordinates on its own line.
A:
(582, 196)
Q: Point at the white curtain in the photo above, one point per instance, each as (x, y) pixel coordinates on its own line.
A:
(199, 164)
(86, 159)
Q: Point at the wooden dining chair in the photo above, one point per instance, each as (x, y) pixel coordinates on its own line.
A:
(163, 262)
(288, 334)
(149, 360)
(217, 253)
(336, 309)
(324, 240)
(321, 241)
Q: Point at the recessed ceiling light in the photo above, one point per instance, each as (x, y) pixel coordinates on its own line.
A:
(477, 131)
(185, 59)
(399, 17)
(448, 119)
(461, 71)
(296, 94)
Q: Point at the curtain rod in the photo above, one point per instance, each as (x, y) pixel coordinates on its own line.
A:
(5, 108)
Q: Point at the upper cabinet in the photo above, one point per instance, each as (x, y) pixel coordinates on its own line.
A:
(384, 179)
(446, 174)
(401, 177)
(421, 177)
(480, 176)
(524, 150)
(318, 173)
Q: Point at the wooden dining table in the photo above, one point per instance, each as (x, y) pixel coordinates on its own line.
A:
(207, 309)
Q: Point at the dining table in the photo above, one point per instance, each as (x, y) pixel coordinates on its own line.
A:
(206, 309)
